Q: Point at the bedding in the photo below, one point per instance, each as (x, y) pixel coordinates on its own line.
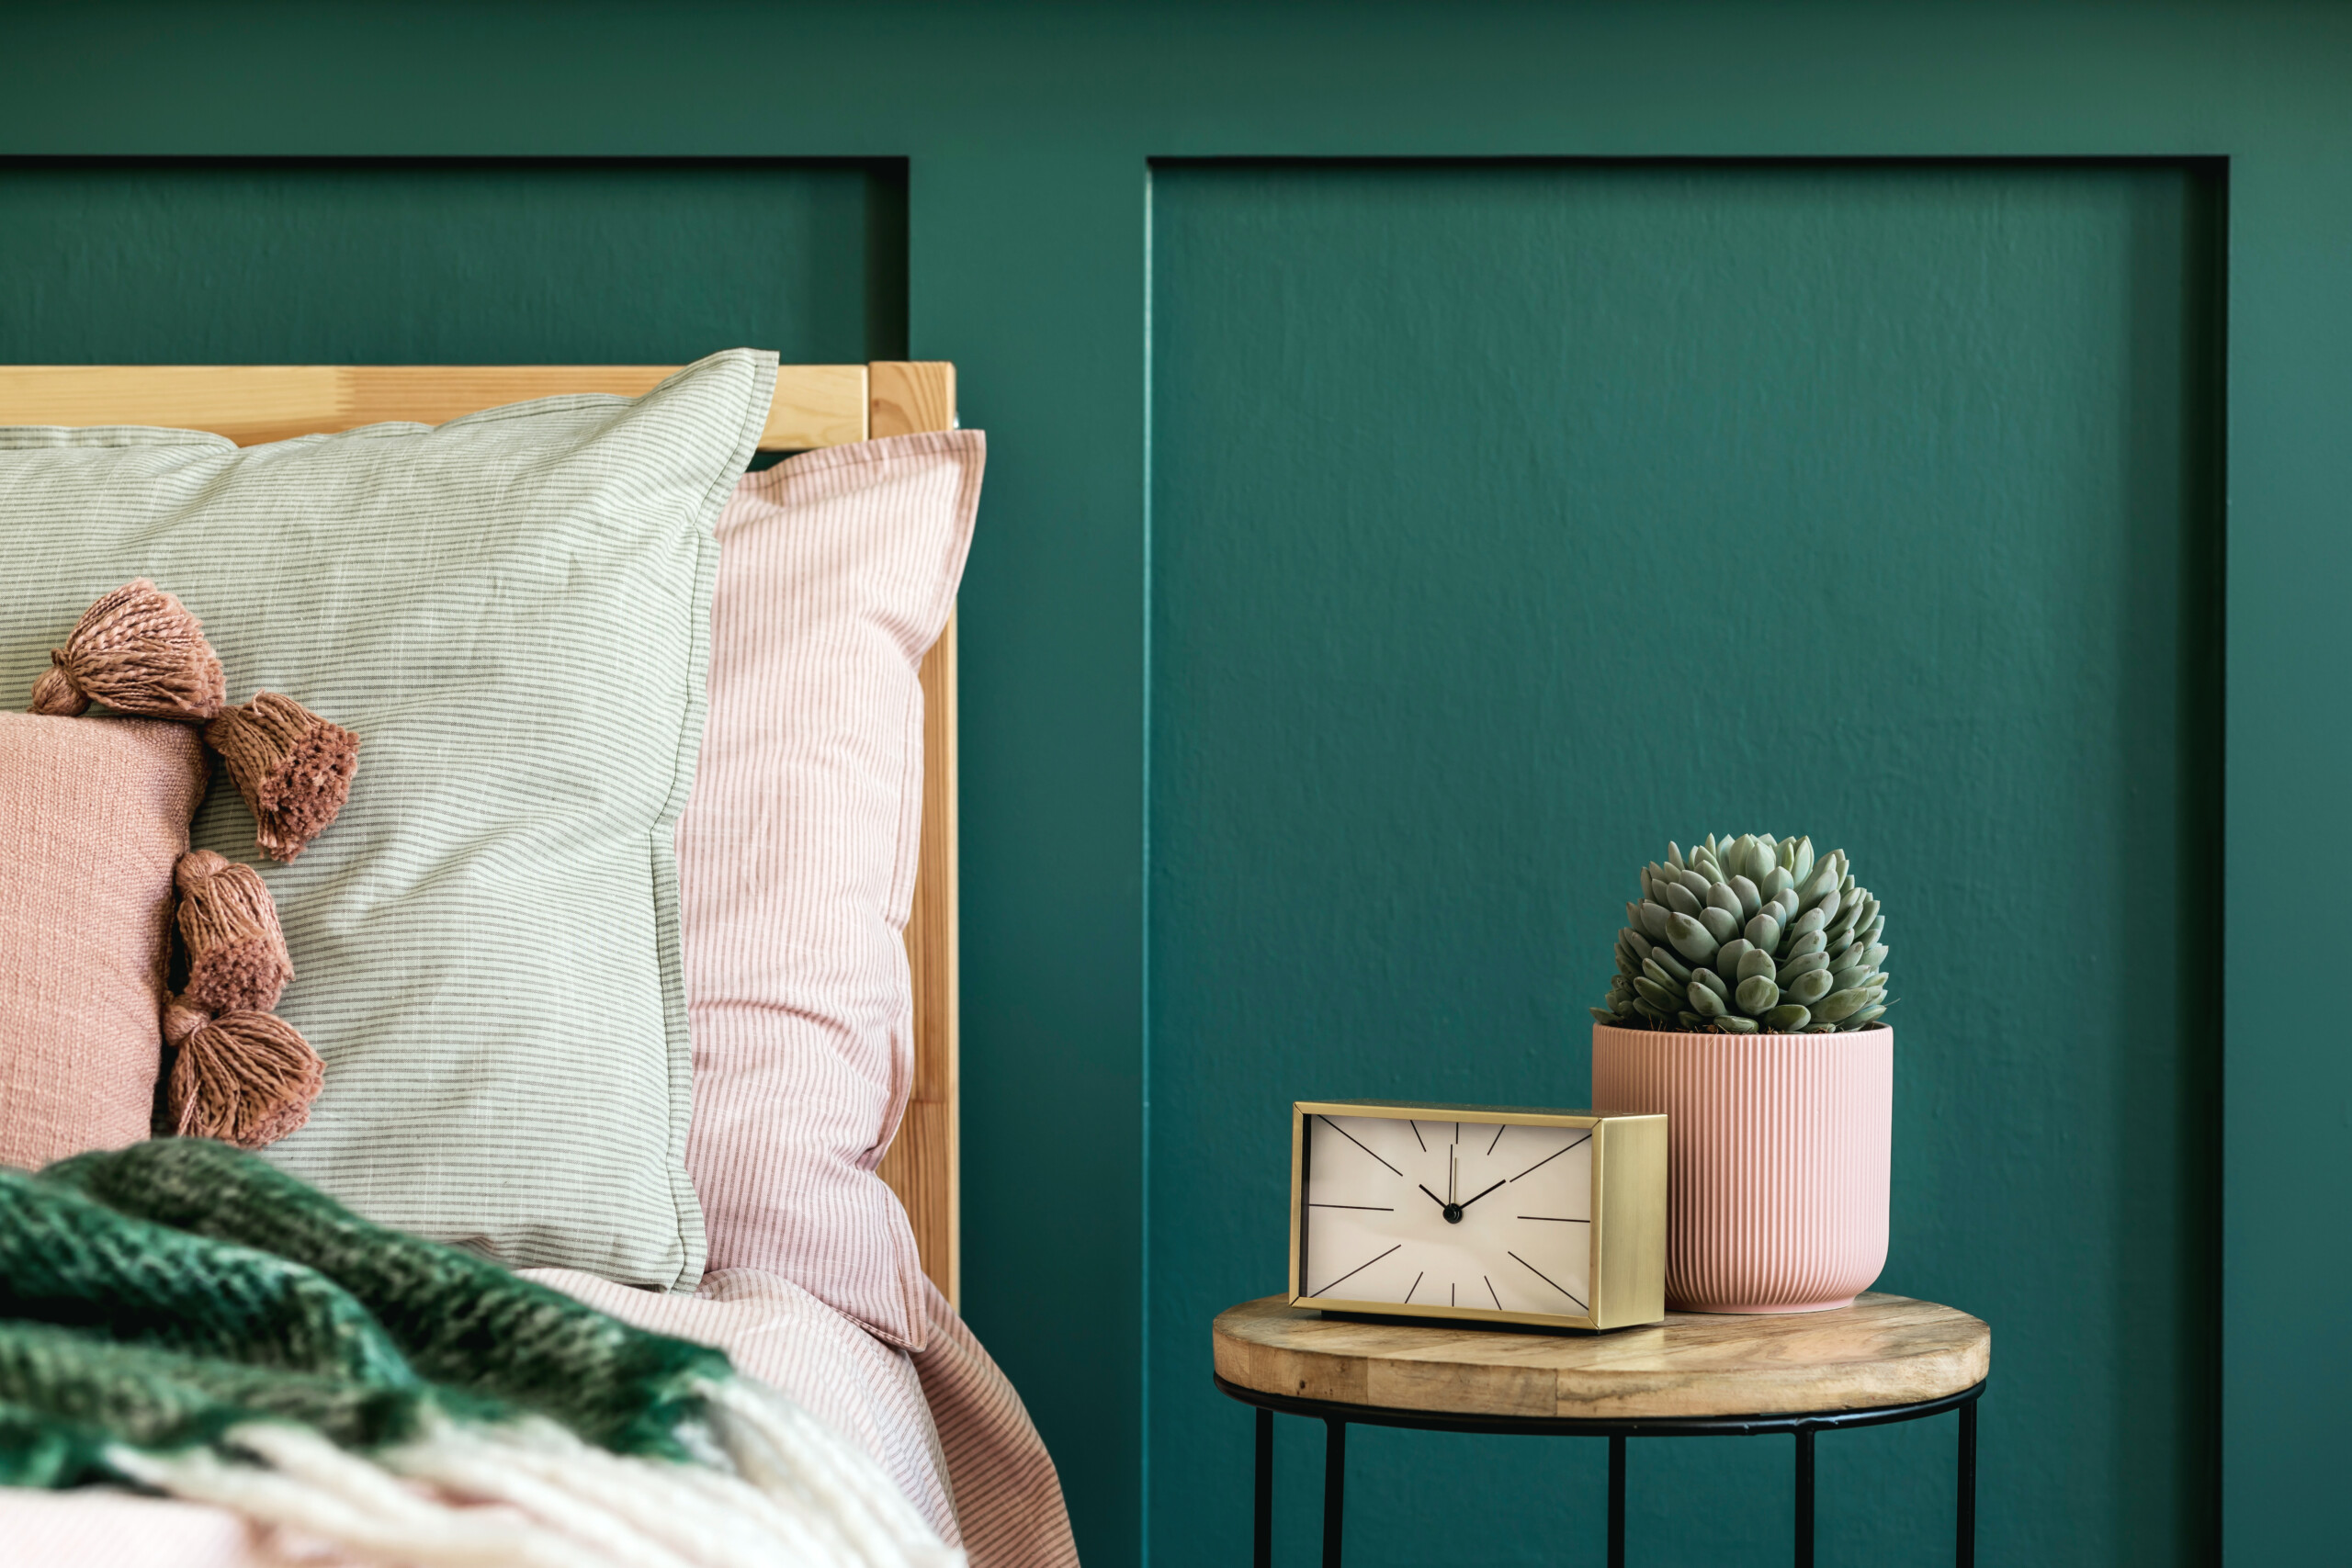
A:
(944, 1423)
(798, 851)
(512, 609)
(182, 1315)
(93, 814)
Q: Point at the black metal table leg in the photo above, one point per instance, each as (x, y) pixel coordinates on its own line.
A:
(1805, 1497)
(1262, 1552)
(1616, 1502)
(1334, 1482)
(1963, 1548)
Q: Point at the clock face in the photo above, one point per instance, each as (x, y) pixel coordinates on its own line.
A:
(1496, 1216)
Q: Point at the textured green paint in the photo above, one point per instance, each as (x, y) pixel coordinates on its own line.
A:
(1026, 131)
(1511, 521)
(440, 263)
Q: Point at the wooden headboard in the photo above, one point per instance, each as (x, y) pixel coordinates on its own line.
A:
(815, 405)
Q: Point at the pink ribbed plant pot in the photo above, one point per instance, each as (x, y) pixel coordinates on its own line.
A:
(1777, 1154)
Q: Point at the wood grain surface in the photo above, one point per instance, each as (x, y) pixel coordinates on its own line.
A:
(814, 405)
(1881, 1350)
(922, 1162)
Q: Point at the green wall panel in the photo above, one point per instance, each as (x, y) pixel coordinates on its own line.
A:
(490, 262)
(1510, 521)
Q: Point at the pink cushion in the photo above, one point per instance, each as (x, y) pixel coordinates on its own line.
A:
(796, 860)
(93, 813)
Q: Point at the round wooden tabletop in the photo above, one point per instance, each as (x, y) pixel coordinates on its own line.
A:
(1882, 1350)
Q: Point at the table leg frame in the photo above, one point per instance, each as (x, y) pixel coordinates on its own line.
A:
(1335, 1466)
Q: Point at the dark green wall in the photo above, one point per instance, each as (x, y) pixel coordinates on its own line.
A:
(479, 261)
(1028, 135)
(1509, 520)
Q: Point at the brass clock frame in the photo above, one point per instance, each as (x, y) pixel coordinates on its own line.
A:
(1627, 1268)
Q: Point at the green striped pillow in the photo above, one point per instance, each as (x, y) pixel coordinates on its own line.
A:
(512, 611)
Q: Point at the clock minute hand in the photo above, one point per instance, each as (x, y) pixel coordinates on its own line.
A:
(1467, 1201)
(1433, 1197)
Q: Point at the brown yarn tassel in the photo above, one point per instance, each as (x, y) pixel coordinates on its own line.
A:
(293, 768)
(241, 1073)
(237, 957)
(139, 651)
(243, 1077)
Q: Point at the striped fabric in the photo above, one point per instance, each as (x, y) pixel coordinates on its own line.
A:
(837, 570)
(510, 612)
(778, 1333)
(1008, 1496)
(971, 1461)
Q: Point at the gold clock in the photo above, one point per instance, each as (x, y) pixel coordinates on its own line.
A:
(1477, 1213)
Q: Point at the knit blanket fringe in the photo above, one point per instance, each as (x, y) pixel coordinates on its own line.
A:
(184, 1318)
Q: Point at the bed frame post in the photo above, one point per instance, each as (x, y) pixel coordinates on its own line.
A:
(921, 1165)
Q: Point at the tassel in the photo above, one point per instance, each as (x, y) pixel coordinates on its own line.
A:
(237, 957)
(293, 768)
(242, 1076)
(140, 651)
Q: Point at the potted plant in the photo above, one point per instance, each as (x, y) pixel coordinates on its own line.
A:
(1748, 1007)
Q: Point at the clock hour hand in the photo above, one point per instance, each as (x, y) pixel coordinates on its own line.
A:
(1452, 1211)
(1467, 1201)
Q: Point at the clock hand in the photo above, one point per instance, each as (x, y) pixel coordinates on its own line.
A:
(1435, 1198)
(1467, 1201)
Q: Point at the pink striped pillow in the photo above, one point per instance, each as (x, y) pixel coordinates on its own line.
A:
(796, 860)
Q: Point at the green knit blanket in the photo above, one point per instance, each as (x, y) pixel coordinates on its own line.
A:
(184, 1318)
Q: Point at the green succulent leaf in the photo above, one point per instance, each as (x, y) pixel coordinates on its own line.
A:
(1788, 1018)
(1677, 975)
(1728, 956)
(1802, 964)
(1764, 931)
(1704, 1002)
(1757, 995)
(1680, 899)
(1759, 962)
(1657, 996)
(1722, 923)
(1690, 938)
(1653, 917)
(1843, 1004)
(1811, 941)
(1749, 896)
(1809, 988)
(1776, 882)
(1725, 897)
(1713, 982)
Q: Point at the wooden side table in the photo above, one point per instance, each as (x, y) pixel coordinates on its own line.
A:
(1884, 1358)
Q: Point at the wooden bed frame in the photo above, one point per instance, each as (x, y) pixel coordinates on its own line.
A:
(815, 405)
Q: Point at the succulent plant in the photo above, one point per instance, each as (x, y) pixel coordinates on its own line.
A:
(1749, 935)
